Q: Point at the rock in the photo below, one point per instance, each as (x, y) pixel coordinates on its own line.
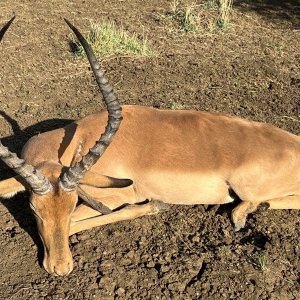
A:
(107, 283)
(150, 264)
(196, 239)
(125, 262)
(120, 291)
(177, 286)
(83, 237)
(164, 268)
(73, 239)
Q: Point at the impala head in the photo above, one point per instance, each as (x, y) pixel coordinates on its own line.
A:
(54, 188)
(52, 212)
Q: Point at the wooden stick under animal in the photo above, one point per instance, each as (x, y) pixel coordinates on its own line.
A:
(123, 169)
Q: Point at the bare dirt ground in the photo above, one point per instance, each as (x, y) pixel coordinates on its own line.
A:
(252, 70)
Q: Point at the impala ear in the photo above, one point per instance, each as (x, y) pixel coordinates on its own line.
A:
(11, 186)
(102, 181)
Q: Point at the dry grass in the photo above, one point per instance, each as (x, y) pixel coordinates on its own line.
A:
(225, 8)
(109, 40)
(186, 17)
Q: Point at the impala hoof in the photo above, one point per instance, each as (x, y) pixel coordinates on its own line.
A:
(238, 225)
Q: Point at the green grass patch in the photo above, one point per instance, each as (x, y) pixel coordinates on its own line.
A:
(107, 39)
(279, 49)
(262, 263)
(176, 105)
(186, 17)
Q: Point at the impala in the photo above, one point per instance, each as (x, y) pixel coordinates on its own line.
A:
(123, 169)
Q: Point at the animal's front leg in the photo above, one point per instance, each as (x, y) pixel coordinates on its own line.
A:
(83, 212)
(127, 213)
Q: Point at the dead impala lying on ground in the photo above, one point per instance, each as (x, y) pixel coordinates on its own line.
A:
(177, 157)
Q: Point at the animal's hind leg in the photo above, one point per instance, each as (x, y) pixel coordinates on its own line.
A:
(287, 202)
(240, 213)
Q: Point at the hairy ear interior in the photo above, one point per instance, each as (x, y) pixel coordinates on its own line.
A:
(11, 186)
(102, 181)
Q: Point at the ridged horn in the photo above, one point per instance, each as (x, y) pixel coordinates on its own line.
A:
(72, 176)
(37, 181)
(5, 27)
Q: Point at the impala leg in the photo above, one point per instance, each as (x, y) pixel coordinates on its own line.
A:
(82, 212)
(287, 202)
(240, 213)
(111, 197)
(128, 213)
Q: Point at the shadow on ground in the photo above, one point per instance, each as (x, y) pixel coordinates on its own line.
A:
(285, 12)
(18, 206)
